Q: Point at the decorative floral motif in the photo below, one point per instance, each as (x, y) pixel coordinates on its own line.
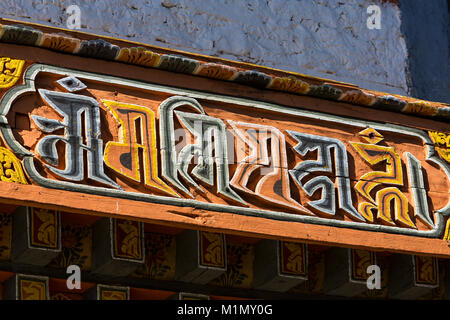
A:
(10, 167)
(253, 78)
(76, 247)
(289, 84)
(44, 228)
(98, 49)
(390, 103)
(10, 71)
(216, 71)
(140, 56)
(358, 97)
(178, 64)
(160, 257)
(239, 272)
(20, 34)
(325, 91)
(442, 144)
(212, 249)
(420, 107)
(59, 42)
(128, 239)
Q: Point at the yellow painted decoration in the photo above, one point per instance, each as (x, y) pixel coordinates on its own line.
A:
(130, 244)
(60, 42)
(361, 259)
(113, 295)
(45, 224)
(289, 84)
(371, 135)
(442, 144)
(447, 231)
(420, 107)
(10, 167)
(212, 249)
(384, 198)
(358, 97)
(365, 208)
(426, 271)
(374, 154)
(444, 153)
(293, 258)
(137, 125)
(216, 71)
(140, 56)
(32, 290)
(440, 138)
(10, 71)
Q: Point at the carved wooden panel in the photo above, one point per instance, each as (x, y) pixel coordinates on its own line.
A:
(112, 137)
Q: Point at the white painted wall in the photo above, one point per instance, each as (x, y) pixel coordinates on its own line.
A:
(324, 38)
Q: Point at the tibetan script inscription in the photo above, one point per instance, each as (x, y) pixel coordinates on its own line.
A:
(115, 137)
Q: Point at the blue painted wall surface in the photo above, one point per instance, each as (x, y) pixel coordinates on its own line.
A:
(425, 27)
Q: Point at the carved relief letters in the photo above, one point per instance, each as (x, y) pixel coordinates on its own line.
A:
(218, 153)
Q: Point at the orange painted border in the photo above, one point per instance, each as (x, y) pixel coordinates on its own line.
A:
(187, 217)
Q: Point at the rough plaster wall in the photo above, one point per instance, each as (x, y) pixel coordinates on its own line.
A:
(326, 38)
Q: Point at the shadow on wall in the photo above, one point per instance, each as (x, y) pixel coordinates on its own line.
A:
(425, 26)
